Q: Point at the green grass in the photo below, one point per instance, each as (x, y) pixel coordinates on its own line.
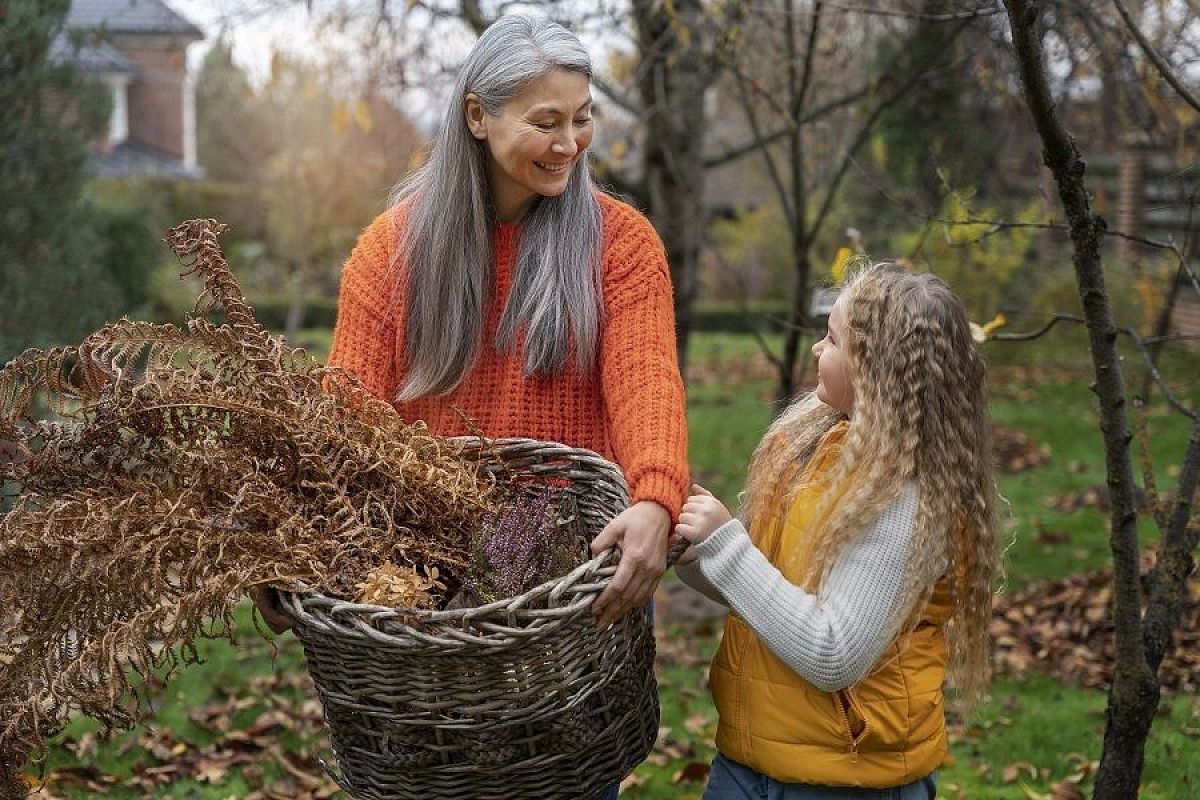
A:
(1029, 735)
(1056, 731)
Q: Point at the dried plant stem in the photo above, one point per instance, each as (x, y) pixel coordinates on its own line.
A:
(175, 469)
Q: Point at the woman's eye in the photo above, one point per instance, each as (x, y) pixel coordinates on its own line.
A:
(544, 126)
(583, 121)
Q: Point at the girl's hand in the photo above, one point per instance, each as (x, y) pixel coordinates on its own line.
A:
(702, 514)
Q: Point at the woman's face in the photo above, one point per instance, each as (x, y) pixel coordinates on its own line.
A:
(834, 386)
(535, 141)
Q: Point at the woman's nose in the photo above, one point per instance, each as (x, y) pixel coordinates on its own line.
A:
(565, 146)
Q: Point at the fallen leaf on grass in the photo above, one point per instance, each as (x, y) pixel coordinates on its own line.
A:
(693, 772)
(212, 770)
(1032, 794)
(696, 724)
(1013, 771)
(1064, 790)
(631, 780)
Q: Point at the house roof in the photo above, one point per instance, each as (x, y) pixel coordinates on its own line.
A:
(90, 56)
(134, 158)
(130, 16)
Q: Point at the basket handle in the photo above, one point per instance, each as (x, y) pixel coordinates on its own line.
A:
(676, 550)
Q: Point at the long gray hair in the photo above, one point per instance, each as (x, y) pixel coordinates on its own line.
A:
(447, 240)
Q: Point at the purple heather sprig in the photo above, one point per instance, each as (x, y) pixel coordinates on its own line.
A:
(524, 545)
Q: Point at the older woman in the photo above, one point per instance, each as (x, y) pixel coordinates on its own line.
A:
(503, 284)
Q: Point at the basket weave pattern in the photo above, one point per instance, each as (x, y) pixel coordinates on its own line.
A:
(522, 698)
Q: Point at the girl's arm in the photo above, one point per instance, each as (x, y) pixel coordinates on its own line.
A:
(833, 638)
(691, 575)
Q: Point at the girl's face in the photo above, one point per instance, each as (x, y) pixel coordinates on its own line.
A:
(834, 385)
(535, 141)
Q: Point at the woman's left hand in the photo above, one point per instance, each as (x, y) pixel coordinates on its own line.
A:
(641, 532)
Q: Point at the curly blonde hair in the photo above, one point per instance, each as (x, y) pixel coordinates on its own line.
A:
(919, 415)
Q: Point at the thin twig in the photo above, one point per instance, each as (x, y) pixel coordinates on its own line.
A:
(1161, 65)
(1138, 343)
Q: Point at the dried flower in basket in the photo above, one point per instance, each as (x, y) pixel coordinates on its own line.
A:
(533, 539)
(401, 587)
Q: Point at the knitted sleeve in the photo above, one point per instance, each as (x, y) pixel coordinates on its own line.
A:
(691, 575)
(832, 638)
(643, 391)
(364, 335)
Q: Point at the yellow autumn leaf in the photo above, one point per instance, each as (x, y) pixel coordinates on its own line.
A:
(997, 321)
(981, 333)
(839, 264)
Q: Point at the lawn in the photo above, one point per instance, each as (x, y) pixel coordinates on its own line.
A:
(243, 725)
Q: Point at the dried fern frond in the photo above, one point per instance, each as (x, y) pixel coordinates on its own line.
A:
(178, 467)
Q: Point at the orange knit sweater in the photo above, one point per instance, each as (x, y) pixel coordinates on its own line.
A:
(630, 408)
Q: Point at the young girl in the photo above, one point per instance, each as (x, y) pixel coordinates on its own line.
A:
(868, 565)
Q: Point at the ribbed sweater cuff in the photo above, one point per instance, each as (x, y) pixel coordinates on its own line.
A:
(717, 555)
(660, 487)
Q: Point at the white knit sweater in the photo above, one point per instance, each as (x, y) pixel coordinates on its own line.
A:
(830, 639)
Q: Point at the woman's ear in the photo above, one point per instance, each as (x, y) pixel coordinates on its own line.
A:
(476, 116)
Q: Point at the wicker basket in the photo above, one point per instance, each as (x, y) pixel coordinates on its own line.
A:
(524, 698)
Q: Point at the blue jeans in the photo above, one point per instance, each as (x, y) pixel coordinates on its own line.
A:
(729, 780)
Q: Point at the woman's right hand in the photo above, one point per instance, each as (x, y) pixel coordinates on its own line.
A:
(267, 601)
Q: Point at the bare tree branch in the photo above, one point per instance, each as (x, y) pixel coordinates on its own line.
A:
(810, 53)
(619, 97)
(864, 133)
(745, 148)
(773, 171)
(1159, 63)
(743, 300)
(1138, 342)
(917, 15)
(1168, 580)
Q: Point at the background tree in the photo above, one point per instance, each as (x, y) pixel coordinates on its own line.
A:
(1142, 638)
(311, 158)
(812, 96)
(50, 256)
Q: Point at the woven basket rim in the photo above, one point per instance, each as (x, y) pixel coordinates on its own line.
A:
(598, 564)
(585, 581)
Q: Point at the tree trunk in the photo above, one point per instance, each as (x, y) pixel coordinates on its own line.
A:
(674, 77)
(1133, 698)
(798, 82)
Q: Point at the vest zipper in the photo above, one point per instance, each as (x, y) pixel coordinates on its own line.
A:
(844, 702)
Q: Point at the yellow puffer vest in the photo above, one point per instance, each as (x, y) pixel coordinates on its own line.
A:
(886, 731)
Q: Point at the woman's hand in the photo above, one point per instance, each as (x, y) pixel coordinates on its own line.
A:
(641, 532)
(268, 605)
(702, 514)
